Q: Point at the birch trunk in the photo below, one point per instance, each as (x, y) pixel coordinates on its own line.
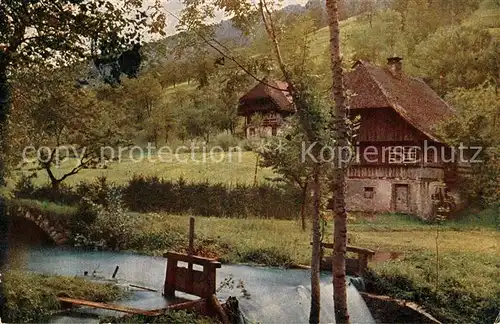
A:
(339, 184)
(314, 314)
(302, 107)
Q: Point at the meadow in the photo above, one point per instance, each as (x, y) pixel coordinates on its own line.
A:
(217, 168)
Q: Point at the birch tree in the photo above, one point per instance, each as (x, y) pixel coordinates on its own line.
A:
(341, 129)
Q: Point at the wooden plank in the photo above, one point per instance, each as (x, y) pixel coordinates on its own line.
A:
(170, 277)
(181, 306)
(193, 259)
(194, 282)
(143, 288)
(191, 236)
(118, 308)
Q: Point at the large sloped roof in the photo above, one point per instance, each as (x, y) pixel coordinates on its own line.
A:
(268, 89)
(412, 98)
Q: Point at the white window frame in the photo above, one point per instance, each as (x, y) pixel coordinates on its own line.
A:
(403, 154)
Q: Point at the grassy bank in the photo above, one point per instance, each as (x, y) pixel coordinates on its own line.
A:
(32, 298)
(178, 317)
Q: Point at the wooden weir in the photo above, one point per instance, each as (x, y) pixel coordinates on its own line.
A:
(184, 279)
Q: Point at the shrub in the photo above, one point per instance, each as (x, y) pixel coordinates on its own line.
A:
(63, 195)
(112, 227)
(225, 141)
(152, 194)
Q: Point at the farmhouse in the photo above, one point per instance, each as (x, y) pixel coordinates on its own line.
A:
(401, 164)
(265, 108)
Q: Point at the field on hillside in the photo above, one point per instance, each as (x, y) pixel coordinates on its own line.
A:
(228, 169)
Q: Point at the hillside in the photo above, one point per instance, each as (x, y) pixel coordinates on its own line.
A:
(487, 16)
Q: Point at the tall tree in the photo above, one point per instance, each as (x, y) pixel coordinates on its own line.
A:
(340, 127)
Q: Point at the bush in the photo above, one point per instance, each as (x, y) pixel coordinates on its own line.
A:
(225, 141)
(25, 189)
(112, 227)
(152, 194)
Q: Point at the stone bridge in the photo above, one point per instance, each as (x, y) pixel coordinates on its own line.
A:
(56, 230)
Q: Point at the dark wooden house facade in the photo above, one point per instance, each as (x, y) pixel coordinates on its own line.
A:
(401, 164)
(265, 108)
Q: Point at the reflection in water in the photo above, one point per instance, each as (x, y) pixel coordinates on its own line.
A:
(22, 236)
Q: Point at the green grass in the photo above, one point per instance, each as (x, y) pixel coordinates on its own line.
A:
(178, 317)
(235, 171)
(56, 211)
(33, 297)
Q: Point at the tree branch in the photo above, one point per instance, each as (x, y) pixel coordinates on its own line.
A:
(229, 57)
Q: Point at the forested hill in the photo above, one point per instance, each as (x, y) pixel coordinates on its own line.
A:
(435, 38)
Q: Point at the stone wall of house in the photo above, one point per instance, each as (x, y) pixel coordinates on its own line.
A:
(374, 195)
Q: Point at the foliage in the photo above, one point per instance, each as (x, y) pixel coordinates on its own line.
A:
(37, 30)
(476, 126)
(226, 141)
(56, 121)
(33, 297)
(154, 194)
(108, 227)
(443, 56)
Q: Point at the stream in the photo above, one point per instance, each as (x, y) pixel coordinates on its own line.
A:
(272, 295)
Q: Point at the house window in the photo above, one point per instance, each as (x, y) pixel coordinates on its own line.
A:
(403, 154)
(369, 191)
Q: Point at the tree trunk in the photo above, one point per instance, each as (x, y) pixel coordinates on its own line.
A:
(339, 184)
(314, 315)
(304, 205)
(54, 182)
(4, 223)
(4, 112)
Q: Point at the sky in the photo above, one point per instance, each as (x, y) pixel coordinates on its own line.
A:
(175, 7)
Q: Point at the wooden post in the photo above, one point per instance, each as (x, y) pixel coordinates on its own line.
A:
(115, 272)
(191, 251)
(169, 289)
(191, 236)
